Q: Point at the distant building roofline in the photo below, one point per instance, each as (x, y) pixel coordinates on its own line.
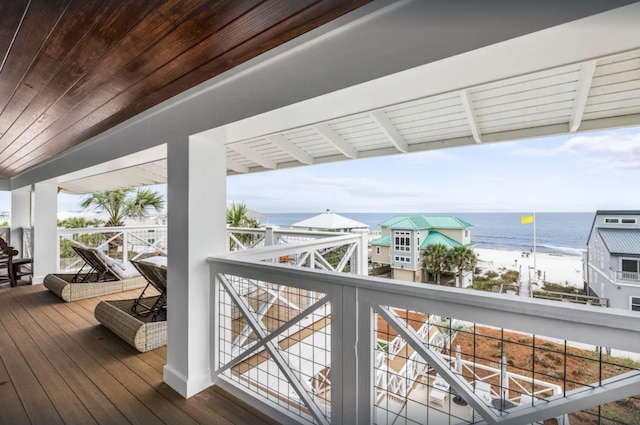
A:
(618, 212)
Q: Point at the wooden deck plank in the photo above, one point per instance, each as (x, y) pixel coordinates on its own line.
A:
(35, 401)
(101, 408)
(69, 407)
(130, 407)
(62, 344)
(208, 403)
(12, 411)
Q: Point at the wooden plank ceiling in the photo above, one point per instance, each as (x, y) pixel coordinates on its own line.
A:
(71, 69)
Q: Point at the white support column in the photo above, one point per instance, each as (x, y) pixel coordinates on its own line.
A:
(20, 216)
(196, 194)
(362, 254)
(45, 230)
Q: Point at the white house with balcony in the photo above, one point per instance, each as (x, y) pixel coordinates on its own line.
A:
(612, 260)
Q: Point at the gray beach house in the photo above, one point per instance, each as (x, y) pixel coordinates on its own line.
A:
(612, 261)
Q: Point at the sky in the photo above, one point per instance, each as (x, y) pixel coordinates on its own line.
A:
(583, 172)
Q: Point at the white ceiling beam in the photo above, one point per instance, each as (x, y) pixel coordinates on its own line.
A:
(390, 130)
(236, 166)
(585, 78)
(470, 112)
(334, 138)
(290, 147)
(254, 156)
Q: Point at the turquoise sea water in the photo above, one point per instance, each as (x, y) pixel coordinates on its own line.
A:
(562, 233)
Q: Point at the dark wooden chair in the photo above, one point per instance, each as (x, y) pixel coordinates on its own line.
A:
(17, 268)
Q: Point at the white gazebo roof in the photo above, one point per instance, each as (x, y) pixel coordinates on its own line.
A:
(330, 221)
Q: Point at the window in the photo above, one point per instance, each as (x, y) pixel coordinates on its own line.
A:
(628, 221)
(611, 220)
(402, 241)
(402, 259)
(630, 265)
(466, 233)
(378, 250)
(634, 303)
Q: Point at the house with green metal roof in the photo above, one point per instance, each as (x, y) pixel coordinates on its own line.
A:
(611, 266)
(403, 238)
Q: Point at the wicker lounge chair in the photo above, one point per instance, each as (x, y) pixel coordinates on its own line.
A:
(140, 322)
(104, 276)
(156, 276)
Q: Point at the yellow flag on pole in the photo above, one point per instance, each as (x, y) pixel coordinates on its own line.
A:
(527, 219)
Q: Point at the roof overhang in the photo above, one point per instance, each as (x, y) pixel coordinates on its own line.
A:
(314, 101)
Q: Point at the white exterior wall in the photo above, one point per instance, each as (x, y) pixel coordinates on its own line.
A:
(20, 216)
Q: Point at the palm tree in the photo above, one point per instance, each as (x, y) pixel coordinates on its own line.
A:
(463, 259)
(238, 216)
(121, 204)
(436, 258)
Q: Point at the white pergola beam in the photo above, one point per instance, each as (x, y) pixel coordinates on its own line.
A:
(470, 112)
(254, 156)
(289, 147)
(585, 78)
(236, 166)
(390, 130)
(334, 138)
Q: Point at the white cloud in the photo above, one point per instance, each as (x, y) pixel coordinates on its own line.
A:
(610, 150)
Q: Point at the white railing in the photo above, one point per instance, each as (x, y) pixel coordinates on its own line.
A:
(152, 240)
(274, 368)
(125, 243)
(628, 276)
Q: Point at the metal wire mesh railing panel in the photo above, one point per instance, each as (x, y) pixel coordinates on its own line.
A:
(504, 370)
(275, 343)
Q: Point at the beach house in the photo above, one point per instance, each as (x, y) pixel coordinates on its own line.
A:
(98, 95)
(404, 238)
(611, 266)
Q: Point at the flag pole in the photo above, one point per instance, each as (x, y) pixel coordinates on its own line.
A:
(535, 269)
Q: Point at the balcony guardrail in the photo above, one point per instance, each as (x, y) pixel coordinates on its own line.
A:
(628, 276)
(303, 344)
(123, 243)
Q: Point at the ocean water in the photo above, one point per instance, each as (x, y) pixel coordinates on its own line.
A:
(560, 233)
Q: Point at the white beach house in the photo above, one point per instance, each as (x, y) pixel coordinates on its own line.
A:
(101, 95)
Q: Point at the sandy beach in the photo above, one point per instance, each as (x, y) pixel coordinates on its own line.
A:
(556, 268)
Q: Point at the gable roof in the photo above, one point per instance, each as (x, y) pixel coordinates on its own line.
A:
(621, 241)
(425, 222)
(608, 212)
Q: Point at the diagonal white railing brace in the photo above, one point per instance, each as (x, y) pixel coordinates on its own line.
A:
(291, 376)
(440, 365)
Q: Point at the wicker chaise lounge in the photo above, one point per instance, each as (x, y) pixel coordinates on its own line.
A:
(140, 322)
(104, 277)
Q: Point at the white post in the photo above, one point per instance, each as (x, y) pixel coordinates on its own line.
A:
(270, 237)
(45, 231)
(20, 216)
(362, 253)
(125, 245)
(196, 194)
(535, 268)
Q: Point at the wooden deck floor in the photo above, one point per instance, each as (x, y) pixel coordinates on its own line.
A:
(59, 366)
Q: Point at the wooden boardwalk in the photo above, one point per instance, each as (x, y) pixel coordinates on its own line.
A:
(59, 366)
